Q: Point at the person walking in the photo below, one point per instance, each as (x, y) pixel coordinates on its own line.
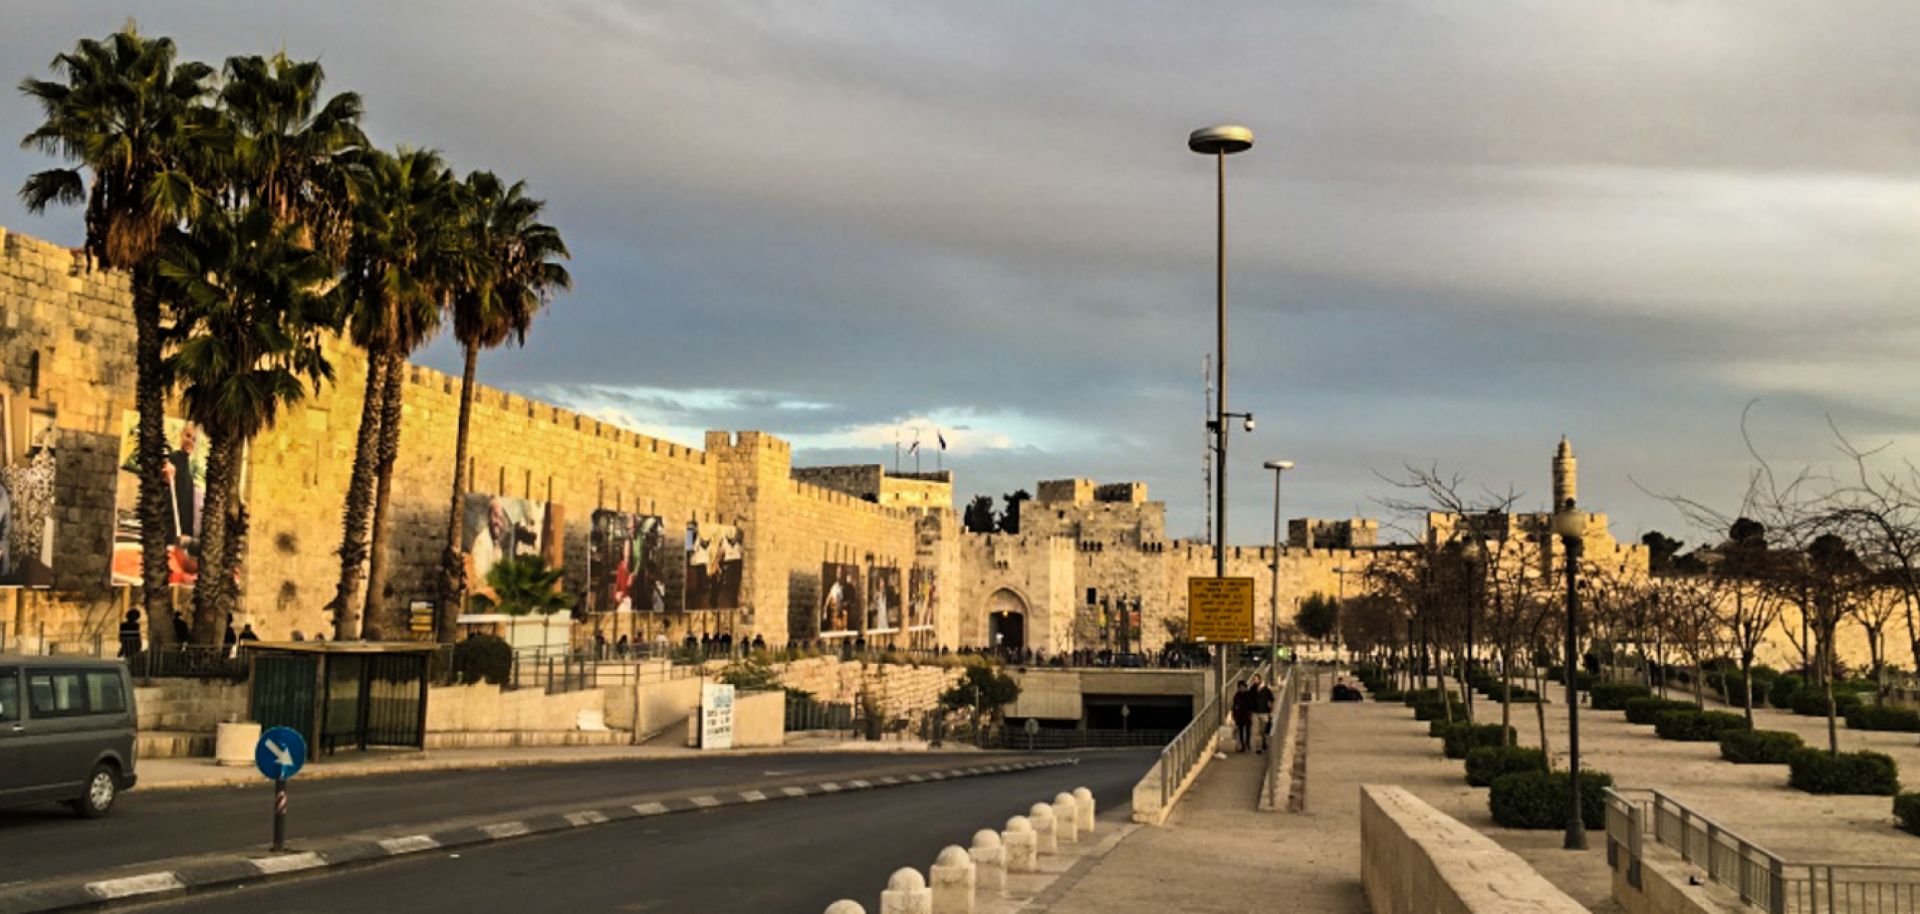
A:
(1242, 716)
(1262, 710)
(130, 637)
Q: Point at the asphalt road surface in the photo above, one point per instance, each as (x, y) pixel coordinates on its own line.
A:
(43, 841)
(787, 857)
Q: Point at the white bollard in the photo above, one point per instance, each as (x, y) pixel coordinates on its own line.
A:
(1066, 819)
(953, 881)
(1083, 798)
(989, 860)
(845, 906)
(906, 893)
(1045, 841)
(1022, 845)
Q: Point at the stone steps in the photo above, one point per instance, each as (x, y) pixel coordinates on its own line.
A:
(526, 739)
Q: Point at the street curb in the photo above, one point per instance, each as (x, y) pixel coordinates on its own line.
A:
(218, 870)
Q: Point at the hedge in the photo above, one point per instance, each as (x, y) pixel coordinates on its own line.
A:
(1860, 773)
(1485, 764)
(1461, 738)
(1538, 799)
(1386, 694)
(1780, 693)
(1906, 808)
(1698, 726)
(1584, 680)
(1812, 702)
(1759, 747)
(1413, 697)
(1520, 695)
(1647, 710)
(482, 658)
(1883, 717)
(1613, 696)
(1431, 710)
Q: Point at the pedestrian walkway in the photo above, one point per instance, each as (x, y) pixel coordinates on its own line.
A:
(1219, 854)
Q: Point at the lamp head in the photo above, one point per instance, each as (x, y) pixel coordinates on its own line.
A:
(1220, 139)
(1249, 422)
(1279, 464)
(1568, 521)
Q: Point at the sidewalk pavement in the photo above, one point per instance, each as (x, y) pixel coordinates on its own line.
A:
(181, 774)
(1219, 854)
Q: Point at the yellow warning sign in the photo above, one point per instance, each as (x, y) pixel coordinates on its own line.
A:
(1220, 609)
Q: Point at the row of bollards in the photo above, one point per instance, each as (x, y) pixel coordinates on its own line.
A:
(959, 874)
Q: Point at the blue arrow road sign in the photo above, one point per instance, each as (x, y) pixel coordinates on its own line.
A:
(280, 754)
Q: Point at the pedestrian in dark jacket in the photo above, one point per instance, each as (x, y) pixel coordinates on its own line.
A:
(1262, 699)
(1242, 717)
(130, 636)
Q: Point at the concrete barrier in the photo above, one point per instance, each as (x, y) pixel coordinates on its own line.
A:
(845, 906)
(1045, 839)
(989, 860)
(1066, 819)
(1664, 888)
(1083, 800)
(953, 881)
(906, 893)
(1415, 859)
(234, 744)
(1022, 845)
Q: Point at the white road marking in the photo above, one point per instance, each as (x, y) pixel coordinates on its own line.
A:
(129, 886)
(288, 863)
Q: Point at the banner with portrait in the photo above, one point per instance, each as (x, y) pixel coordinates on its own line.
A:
(923, 596)
(186, 489)
(26, 494)
(626, 563)
(497, 527)
(884, 606)
(715, 562)
(839, 599)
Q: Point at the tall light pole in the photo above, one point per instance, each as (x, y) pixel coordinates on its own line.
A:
(1570, 525)
(1273, 628)
(1220, 141)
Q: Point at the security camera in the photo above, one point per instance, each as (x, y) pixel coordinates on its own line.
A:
(1249, 423)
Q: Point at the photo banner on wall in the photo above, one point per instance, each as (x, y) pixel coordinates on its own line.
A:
(884, 606)
(839, 599)
(626, 563)
(186, 476)
(496, 527)
(715, 562)
(26, 497)
(923, 595)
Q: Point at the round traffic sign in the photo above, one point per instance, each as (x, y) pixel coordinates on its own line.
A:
(1033, 726)
(280, 753)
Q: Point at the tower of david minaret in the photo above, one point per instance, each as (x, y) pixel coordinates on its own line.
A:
(1563, 474)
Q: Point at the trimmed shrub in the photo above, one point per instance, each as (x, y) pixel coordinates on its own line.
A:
(482, 658)
(1613, 696)
(1434, 710)
(1906, 808)
(1520, 696)
(1858, 773)
(1583, 680)
(1698, 726)
(1780, 693)
(1462, 738)
(1647, 710)
(1812, 701)
(1538, 799)
(1386, 694)
(1883, 717)
(1485, 764)
(1759, 747)
(1415, 696)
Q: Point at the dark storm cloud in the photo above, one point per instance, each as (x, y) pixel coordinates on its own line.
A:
(1467, 229)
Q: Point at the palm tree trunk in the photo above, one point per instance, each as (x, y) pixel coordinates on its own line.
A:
(210, 605)
(453, 567)
(150, 458)
(378, 570)
(353, 536)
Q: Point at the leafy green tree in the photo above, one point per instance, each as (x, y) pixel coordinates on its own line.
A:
(130, 118)
(403, 260)
(510, 273)
(983, 690)
(979, 515)
(1010, 518)
(1661, 549)
(247, 336)
(292, 146)
(523, 585)
(1319, 616)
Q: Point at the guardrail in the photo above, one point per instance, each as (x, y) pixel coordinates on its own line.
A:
(1183, 752)
(1761, 878)
(1280, 738)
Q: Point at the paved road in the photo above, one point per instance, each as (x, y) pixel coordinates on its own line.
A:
(790, 857)
(49, 841)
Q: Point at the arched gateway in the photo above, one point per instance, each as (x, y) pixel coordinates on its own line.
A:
(1006, 620)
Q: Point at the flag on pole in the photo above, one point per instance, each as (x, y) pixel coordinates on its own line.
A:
(915, 450)
(943, 439)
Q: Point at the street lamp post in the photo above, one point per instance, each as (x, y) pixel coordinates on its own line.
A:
(1273, 621)
(1220, 141)
(1569, 524)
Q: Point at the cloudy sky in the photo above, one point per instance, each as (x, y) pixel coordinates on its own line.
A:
(1467, 227)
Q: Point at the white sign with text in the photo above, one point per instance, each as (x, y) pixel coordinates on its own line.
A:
(716, 716)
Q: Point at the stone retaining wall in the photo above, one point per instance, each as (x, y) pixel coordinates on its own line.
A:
(1415, 859)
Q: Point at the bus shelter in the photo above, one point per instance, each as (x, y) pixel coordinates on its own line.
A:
(342, 694)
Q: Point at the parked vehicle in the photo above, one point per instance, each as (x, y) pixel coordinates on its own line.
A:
(66, 732)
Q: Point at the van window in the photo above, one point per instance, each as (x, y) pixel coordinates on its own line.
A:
(9, 696)
(105, 694)
(56, 693)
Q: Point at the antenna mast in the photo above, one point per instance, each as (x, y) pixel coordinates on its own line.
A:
(1206, 445)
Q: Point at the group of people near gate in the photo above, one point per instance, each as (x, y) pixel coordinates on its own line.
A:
(1252, 705)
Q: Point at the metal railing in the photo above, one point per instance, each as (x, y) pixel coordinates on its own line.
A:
(1280, 734)
(1760, 877)
(1183, 752)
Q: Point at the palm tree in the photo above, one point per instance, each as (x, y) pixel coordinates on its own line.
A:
(523, 585)
(247, 334)
(131, 119)
(403, 255)
(510, 275)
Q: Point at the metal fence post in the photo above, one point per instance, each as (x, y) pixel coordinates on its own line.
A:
(1776, 885)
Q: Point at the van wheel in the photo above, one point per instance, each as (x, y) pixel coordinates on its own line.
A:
(102, 790)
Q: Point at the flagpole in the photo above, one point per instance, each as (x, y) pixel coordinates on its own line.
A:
(896, 450)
